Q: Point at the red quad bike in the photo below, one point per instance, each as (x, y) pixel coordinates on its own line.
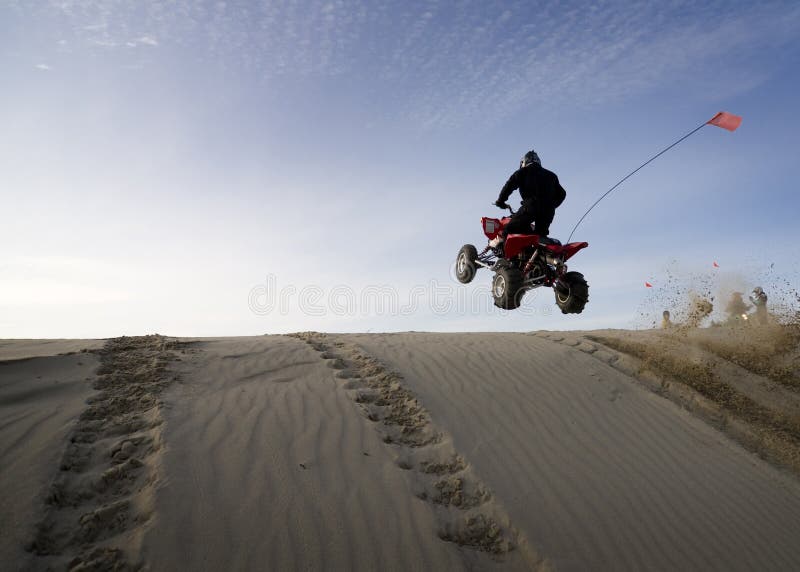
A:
(522, 263)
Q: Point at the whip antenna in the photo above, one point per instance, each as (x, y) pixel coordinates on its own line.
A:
(722, 119)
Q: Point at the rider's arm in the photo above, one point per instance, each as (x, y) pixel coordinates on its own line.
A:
(511, 185)
(561, 194)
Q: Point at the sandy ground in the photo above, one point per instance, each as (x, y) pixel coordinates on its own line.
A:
(269, 467)
(385, 451)
(597, 471)
(25, 349)
(40, 399)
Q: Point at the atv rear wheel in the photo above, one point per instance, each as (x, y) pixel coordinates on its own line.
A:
(572, 293)
(465, 263)
(507, 288)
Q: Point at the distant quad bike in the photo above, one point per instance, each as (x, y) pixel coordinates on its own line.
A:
(524, 262)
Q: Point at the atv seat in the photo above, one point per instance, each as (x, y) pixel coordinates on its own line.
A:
(547, 241)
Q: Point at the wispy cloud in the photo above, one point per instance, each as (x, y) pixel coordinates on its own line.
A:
(143, 41)
(475, 66)
(43, 67)
(445, 65)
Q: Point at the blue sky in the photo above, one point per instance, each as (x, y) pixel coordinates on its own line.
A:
(160, 160)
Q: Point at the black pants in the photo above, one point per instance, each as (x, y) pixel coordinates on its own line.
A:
(529, 213)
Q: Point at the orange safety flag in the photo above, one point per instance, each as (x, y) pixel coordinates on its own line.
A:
(725, 120)
(648, 285)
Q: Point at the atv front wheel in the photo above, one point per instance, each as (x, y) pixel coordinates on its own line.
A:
(507, 288)
(465, 263)
(572, 293)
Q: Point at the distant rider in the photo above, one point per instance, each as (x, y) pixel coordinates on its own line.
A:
(759, 299)
(541, 194)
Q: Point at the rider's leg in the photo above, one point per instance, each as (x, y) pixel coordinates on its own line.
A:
(544, 217)
(521, 220)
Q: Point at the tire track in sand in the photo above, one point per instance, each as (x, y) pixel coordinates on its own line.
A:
(464, 505)
(102, 496)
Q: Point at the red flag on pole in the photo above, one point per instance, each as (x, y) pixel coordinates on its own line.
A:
(716, 265)
(722, 119)
(648, 285)
(725, 120)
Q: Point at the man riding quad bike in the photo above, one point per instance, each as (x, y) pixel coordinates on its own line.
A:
(519, 251)
(541, 195)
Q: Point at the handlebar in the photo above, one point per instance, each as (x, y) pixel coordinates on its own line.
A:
(507, 206)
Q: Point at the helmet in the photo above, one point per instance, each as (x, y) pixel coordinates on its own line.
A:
(529, 158)
(758, 290)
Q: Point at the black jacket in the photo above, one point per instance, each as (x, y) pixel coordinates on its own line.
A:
(536, 185)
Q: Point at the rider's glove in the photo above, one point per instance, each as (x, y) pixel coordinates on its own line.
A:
(500, 204)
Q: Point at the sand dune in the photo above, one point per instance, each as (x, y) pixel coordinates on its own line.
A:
(394, 452)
